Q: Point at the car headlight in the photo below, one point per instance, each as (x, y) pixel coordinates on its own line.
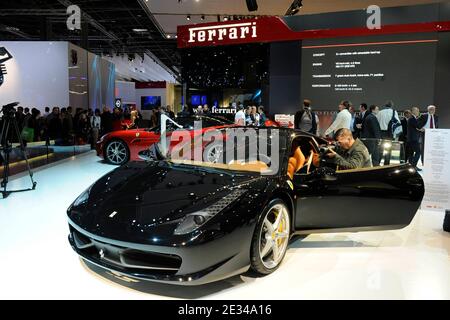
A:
(82, 198)
(194, 220)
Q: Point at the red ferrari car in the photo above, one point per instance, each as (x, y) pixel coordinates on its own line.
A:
(119, 147)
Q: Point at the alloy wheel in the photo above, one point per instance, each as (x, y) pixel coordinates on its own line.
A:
(274, 236)
(116, 152)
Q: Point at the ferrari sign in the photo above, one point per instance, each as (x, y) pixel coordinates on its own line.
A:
(226, 32)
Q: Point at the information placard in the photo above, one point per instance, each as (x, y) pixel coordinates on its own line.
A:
(437, 170)
(285, 120)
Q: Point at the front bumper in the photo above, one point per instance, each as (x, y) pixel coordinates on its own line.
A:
(183, 265)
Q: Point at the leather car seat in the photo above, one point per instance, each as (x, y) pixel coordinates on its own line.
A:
(296, 162)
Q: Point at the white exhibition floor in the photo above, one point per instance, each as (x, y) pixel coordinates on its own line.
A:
(37, 262)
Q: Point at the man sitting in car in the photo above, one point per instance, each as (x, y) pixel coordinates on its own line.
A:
(350, 153)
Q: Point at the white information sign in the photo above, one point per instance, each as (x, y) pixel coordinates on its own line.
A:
(437, 170)
(285, 120)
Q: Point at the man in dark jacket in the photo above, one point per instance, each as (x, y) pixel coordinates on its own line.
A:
(106, 121)
(406, 151)
(359, 120)
(371, 135)
(413, 137)
(305, 119)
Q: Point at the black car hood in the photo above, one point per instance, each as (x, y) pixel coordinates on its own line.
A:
(143, 198)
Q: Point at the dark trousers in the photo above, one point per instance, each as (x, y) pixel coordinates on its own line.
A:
(415, 152)
(373, 148)
(385, 135)
(422, 148)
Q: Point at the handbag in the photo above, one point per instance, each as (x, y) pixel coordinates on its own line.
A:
(394, 127)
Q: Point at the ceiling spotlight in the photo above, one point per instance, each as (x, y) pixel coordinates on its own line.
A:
(188, 17)
(225, 18)
(169, 36)
(140, 30)
(203, 17)
(294, 8)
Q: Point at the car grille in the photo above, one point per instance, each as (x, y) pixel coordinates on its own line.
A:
(125, 259)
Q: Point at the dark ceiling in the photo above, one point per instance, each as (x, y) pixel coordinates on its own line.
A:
(107, 27)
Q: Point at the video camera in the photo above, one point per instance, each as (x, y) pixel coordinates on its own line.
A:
(8, 110)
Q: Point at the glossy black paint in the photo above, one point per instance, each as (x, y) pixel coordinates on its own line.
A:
(137, 207)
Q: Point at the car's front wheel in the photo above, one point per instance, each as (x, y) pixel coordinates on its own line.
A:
(271, 238)
(116, 152)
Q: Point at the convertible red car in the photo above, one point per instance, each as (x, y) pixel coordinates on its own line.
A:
(119, 147)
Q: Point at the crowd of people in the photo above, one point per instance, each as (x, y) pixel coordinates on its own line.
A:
(250, 116)
(369, 124)
(372, 125)
(67, 126)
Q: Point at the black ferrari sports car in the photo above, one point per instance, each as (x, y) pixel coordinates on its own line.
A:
(193, 222)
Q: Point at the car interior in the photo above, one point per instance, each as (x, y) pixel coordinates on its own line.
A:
(304, 157)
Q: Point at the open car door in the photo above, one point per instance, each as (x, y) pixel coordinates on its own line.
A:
(378, 198)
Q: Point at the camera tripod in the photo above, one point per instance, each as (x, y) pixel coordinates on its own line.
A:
(10, 123)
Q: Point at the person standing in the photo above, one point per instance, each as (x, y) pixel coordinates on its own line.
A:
(357, 125)
(413, 137)
(427, 121)
(406, 150)
(306, 120)
(248, 116)
(55, 129)
(26, 117)
(239, 118)
(343, 119)
(255, 116)
(96, 123)
(106, 121)
(385, 117)
(170, 112)
(262, 116)
(371, 134)
(206, 109)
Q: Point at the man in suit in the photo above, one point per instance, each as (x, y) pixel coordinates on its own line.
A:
(406, 151)
(427, 121)
(357, 126)
(371, 135)
(413, 137)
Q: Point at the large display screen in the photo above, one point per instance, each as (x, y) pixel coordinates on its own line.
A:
(150, 102)
(371, 70)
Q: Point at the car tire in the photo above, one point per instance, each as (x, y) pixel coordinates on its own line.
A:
(213, 153)
(117, 152)
(264, 258)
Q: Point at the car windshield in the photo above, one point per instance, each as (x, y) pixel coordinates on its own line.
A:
(188, 123)
(233, 149)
